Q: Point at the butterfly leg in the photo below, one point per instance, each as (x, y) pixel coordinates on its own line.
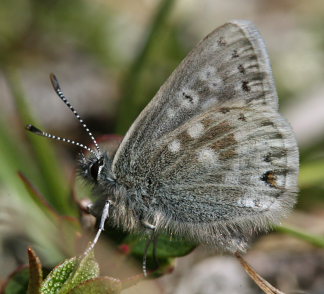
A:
(152, 239)
(104, 217)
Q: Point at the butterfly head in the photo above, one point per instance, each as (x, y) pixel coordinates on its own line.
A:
(96, 168)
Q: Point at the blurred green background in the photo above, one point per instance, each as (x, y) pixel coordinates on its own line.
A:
(111, 57)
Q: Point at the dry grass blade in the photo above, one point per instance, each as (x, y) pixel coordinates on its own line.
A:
(265, 286)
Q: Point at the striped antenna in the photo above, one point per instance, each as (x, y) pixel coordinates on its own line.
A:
(39, 132)
(59, 93)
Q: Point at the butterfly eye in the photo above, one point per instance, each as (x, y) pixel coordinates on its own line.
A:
(95, 168)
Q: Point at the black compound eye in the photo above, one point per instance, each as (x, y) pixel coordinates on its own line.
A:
(94, 168)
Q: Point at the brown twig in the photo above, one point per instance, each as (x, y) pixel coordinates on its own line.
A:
(264, 285)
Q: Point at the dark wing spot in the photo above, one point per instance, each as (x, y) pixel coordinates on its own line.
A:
(241, 69)
(270, 178)
(188, 97)
(267, 158)
(267, 123)
(245, 86)
(276, 136)
(235, 54)
(242, 117)
(224, 110)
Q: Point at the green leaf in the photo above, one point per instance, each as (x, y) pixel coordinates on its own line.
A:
(58, 276)
(70, 274)
(104, 285)
(87, 269)
(166, 247)
(18, 282)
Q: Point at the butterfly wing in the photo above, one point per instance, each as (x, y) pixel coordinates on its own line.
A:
(229, 67)
(224, 171)
(210, 157)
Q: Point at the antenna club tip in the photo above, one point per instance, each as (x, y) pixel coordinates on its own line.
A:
(33, 129)
(54, 81)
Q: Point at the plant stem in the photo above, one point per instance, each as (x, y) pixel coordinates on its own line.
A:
(130, 104)
(315, 240)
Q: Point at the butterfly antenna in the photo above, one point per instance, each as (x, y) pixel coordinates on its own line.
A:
(39, 132)
(59, 93)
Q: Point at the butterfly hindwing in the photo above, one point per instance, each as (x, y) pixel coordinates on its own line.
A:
(226, 168)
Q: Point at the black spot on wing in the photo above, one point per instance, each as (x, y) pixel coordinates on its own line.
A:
(245, 86)
(235, 54)
(241, 69)
(187, 97)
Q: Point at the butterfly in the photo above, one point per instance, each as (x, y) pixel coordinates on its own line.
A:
(210, 157)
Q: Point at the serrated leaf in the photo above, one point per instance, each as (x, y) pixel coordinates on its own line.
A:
(104, 285)
(71, 273)
(58, 276)
(87, 269)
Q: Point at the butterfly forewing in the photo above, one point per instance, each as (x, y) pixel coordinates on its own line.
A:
(228, 67)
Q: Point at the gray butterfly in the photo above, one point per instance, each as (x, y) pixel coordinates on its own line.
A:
(209, 158)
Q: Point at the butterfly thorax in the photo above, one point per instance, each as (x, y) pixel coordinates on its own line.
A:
(96, 170)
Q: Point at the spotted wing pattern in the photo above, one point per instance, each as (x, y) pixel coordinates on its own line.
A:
(229, 67)
(210, 157)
